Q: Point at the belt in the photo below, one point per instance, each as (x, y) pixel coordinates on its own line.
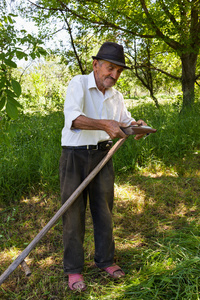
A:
(106, 145)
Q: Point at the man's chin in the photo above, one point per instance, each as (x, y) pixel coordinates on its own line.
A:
(109, 83)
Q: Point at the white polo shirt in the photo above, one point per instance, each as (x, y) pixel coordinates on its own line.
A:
(84, 98)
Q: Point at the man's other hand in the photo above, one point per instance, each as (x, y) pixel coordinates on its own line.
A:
(140, 123)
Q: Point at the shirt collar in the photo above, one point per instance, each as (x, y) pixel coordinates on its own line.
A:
(91, 81)
(92, 84)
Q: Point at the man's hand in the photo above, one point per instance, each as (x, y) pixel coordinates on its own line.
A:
(142, 123)
(113, 129)
(110, 126)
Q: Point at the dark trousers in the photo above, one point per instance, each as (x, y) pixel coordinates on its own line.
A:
(75, 165)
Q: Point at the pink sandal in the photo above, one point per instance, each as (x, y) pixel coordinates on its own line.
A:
(112, 271)
(76, 282)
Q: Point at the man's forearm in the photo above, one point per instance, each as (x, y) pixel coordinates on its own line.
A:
(83, 122)
(112, 127)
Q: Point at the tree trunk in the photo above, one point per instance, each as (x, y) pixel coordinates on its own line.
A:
(154, 99)
(188, 78)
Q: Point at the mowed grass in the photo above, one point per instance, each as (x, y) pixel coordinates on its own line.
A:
(156, 229)
(155, 215)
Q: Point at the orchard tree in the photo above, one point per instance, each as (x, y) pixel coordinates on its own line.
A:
(14, 46)
(154, 67)
(142, 67)
(173, 22)
(77, 42)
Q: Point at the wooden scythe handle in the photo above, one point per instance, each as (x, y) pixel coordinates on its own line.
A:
(61, 211)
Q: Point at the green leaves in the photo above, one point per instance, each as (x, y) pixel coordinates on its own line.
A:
(8, 98)
(10, 88)
(11, 109)
(16, 87)
(10, 63)
(12, 104)
(2, 102)
(11, 43)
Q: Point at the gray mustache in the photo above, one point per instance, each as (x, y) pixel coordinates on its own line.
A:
(111, 78)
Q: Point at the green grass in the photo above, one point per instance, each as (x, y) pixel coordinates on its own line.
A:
(156, 211)
(30, 147)
(156, 229)
(177, 136)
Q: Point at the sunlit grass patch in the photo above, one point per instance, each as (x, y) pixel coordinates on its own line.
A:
(155, 216)
(9, 254)
(154, 255)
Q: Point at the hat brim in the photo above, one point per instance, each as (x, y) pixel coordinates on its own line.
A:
(112, 61)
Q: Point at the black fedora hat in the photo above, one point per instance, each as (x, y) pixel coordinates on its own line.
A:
(113, 53)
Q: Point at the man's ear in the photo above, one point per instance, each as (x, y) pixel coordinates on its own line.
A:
(95, 62)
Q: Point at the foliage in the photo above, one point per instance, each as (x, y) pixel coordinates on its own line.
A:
(29, 164)
(172, 23)
(44, 84)
(174, 138)
(78, 60)
(156, 231)
(12, 48)
(156, 211)
(30, 146)
(149, 58)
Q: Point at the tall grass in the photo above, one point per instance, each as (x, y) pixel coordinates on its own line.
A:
(155, 215)
(156, 230)
(177, 135)
(170, 270)
(30, 150)
(30, 146)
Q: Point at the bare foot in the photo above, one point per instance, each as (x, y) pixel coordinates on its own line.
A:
(118, 274)
(76, 282)
(115, 271)
(79, 286)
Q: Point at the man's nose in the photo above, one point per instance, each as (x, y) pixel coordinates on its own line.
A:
(114, 74)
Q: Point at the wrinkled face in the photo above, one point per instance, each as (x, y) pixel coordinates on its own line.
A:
(106, 74)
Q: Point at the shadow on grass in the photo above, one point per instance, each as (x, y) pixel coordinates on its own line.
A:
(156, 229)
(157, 216)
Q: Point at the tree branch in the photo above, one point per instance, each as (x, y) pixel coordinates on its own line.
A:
(197, 76)
(197, 83)
(170, 16)
(159, 70)
(103, 23)
(43, 7)
(73, 45)
(173, 44)
(195, 25)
